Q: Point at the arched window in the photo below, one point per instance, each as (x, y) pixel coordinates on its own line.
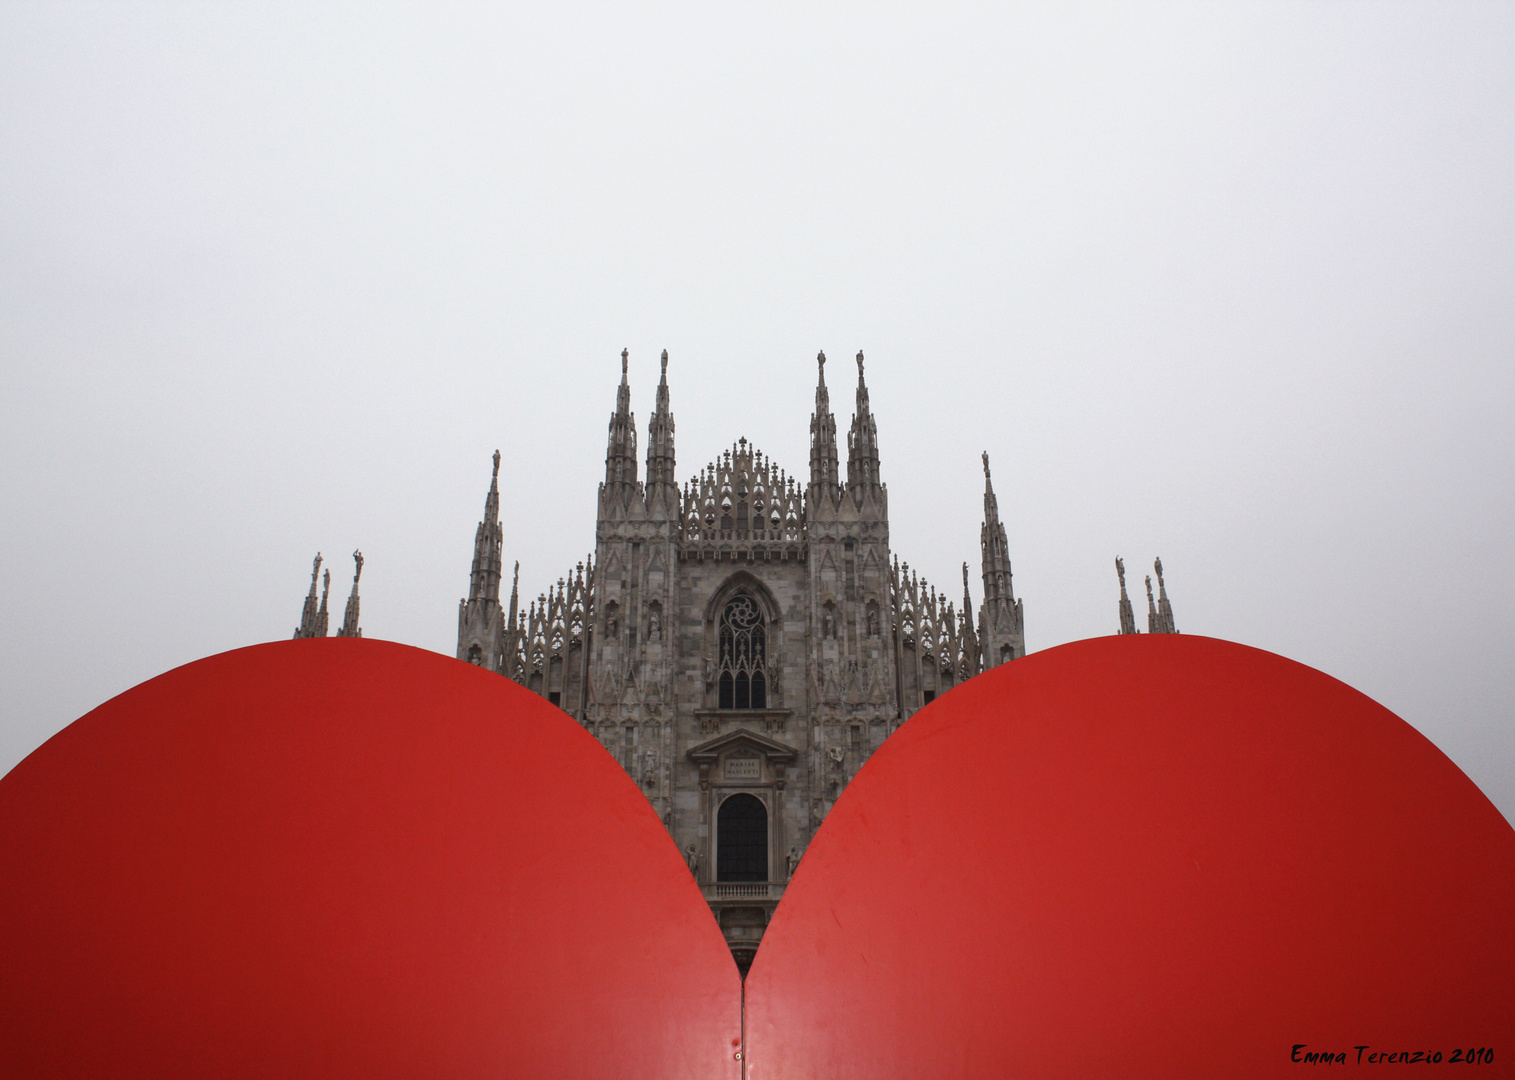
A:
(741, 839)
(742, 684)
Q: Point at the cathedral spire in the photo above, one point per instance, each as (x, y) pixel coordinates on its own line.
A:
(970, 639)
(481, 627)
(996, 556)
(515, 597)
(1000, 618)
(311, 611)
(1164, 608)
(322, 615)
(350, 627)
(1151, 609)
(488, 539)
(823, 467)
(1127, 616)
(862, 441)
(660, 463)
(621, 455)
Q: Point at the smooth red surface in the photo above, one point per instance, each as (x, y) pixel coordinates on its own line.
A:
(347, 858)
(1161, 856)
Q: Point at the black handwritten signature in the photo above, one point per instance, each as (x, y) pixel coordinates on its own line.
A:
(1367, 1055)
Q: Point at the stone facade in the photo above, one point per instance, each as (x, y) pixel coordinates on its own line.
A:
(740, 644)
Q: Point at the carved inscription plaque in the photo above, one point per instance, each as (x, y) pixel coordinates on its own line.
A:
(742, 768)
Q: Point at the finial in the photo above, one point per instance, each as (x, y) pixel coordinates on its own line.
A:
(315, 570)
(665, 363)
(357, 557)
(624, 354)
(496, 465)
(820, 358)
(860, 364)
(986, 464)
(1157, 565)
(1149, 588)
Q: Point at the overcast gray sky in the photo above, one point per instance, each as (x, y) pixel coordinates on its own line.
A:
(1229, 284)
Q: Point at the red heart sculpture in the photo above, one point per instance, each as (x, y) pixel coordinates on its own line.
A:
(348, 858)
(1154, 856)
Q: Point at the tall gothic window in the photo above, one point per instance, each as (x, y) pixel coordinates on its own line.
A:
(741, 831)
(743, 656)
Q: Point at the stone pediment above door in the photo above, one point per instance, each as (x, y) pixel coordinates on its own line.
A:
(744, 757)
(754, 742)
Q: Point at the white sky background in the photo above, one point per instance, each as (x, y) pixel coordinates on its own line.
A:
(1234, 286)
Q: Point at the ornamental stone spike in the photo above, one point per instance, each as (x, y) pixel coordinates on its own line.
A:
(309, 613)
(862, 444)
(350, 627)
(322, 615)
(1164, 608)
(1127, 616)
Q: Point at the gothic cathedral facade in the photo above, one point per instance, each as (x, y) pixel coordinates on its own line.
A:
(740, 644)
